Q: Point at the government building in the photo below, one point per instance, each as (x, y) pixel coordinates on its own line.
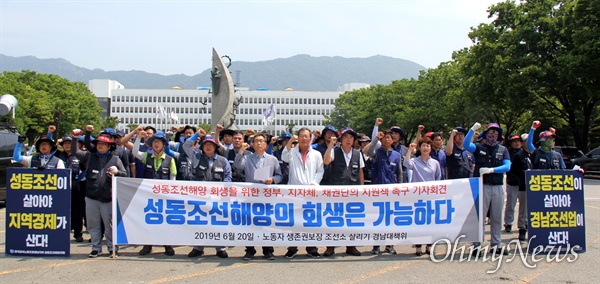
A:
(163, 108)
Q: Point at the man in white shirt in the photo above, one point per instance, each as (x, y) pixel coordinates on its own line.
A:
(306, 168)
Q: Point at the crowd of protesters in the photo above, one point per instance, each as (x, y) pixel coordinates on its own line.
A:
(326, 157)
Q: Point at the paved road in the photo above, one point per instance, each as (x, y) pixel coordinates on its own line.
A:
(401, 268)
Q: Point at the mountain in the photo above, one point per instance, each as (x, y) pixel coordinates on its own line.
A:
(300, 72)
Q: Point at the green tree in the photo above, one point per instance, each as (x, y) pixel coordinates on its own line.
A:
(46, 99)
(132, 126)
(205, 126)
(110, 122)
(539, 57)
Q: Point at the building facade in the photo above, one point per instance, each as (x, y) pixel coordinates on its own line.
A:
(164, 108)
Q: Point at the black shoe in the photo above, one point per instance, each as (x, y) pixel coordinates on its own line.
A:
(269, 255)
(314, 254)
(169, 250)
(145, 250)
(352, 251)
(375, 250)
(390, 249)
(110, 254)
(248, 256)
(522, 234)
(79, 239)
(195, 253)
(507, 228)
(329, 252)
(94, 254)
(291, 253)
(222, 254)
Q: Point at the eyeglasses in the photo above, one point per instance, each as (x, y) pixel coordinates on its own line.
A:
(259, 141)
(493, 131)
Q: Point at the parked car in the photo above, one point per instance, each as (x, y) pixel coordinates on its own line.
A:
(8, 141)
(568, 153)
(590, 162)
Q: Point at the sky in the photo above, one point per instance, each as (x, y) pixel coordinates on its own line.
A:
(177, 37)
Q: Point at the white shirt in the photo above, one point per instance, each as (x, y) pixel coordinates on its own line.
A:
(310, 172)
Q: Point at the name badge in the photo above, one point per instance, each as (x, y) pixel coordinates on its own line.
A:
(393, 164)
(355, 166)
(218, 170)
(95, 171)
(542, 160)
(483, 153)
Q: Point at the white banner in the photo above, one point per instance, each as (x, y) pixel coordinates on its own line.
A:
(165, 212)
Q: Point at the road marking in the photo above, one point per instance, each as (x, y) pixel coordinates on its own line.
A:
(45, 266)
(538, 273)
(164, 280)
(380, 272)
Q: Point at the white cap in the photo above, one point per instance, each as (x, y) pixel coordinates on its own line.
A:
(524, 136)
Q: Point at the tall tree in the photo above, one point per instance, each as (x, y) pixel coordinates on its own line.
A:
(46, 99)
(539, 56)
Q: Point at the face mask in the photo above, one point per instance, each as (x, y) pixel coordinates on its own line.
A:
(491, 140)
(546, 146)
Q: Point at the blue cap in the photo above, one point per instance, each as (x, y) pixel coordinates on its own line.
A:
(399, 130)
(328, 128)
(109, 131)
(285, 135)
(461, 129)
(158, 135)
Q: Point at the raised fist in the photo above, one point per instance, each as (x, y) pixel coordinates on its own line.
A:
(552, 129)
(454, 131)
(143, 134)
(51, 128)
(378, 121)
(77, 132)
(332, 142)
(294, 138)
(89, 128)
(380, 135)
(274, 139)
(22, 138)
(174, 129)
(536, 124)
(201, 132)
(139, 128)
(219, 128)
(244, 147)
(476, 126)
(413, 146)
(317, 133)
(421, 127)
